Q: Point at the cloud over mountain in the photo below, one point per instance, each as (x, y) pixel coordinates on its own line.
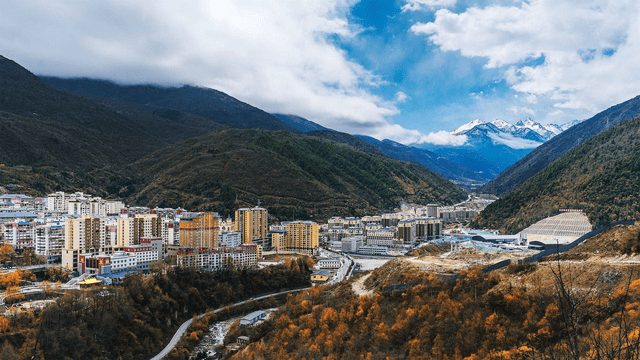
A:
(280, 56)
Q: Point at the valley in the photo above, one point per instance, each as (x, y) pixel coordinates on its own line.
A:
(219, 200)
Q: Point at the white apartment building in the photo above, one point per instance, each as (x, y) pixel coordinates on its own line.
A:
(49, 238)
(382, 237)
(242, 256)
(329, 263)
(230, 238)
(373, 250)
(170, 232)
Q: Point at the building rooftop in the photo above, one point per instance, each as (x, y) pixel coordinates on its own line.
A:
(573, 224)
(15, 196)
(321, 272)
(91, 281)
(253, 315)
(17, 214)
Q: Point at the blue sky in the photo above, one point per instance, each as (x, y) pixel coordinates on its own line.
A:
(409, 70)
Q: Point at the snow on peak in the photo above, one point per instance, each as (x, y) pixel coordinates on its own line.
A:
(555, 129)
(468, 126)
(534, 126)
(502, 125)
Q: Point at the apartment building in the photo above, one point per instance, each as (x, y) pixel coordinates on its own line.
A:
(252, 223)
(301, 237)
(131, 229)
(242, 256)
(82, 235)
(200, 231)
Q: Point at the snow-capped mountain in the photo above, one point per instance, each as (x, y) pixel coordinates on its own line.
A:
(531, 132)
(468, 126)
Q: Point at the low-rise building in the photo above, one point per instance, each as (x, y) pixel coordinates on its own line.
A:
(320, 276)
(373, 250)
(230, 238)
(382, 237)
(253, 317)
(352, 244)
(243, 256)
(329, 263)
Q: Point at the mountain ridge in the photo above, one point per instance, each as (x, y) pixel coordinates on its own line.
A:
(600, 177)
(544, 155)
(216, 106)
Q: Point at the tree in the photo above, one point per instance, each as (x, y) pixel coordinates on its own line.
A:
(6, 252)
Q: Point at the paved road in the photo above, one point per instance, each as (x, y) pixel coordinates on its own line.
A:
(176, 337)
(345, 262)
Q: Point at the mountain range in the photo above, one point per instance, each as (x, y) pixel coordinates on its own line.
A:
(548, 152)
(189, 146)
(525, 130)
(488, 148)
(600, 177)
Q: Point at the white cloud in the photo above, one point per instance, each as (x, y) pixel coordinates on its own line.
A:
(522, 110)
(531, 99)
(278, 56)
(401, 97)
(512, 141)
(577, 54)
(414, 5)
(443, 138)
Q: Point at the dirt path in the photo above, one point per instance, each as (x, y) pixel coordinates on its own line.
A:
(358, 286)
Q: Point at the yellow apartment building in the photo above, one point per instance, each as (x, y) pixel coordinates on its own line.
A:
(252, 223)
(301, 237)
(200, 232)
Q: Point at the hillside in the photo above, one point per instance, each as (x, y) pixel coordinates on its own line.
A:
(51, 140)
(40, 125)
(218, 108)
(548, 152)
(460, 175)
(299, 123)
(351, 140)
(601, 177)
(292, 175)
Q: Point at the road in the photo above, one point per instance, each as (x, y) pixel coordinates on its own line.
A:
(176, 337)
(345, 262)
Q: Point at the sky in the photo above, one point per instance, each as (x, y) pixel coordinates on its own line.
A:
(406, 70)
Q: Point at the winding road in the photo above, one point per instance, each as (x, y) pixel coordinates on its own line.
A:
(176, 337)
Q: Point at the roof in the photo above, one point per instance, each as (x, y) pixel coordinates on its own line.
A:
(91, 281)
(253, 315)
(321, 272)
(116, 275)
(15, 196)
(17, 214)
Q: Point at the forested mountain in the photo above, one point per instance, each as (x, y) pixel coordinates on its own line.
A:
(51, 140)
(299, 123)
(292, 175)
(601, 177)
(545, 154)
(174, 103)
(437, 163)
(42, 126)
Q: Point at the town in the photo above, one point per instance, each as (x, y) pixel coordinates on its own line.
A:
(101, 241)
(105, 240)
